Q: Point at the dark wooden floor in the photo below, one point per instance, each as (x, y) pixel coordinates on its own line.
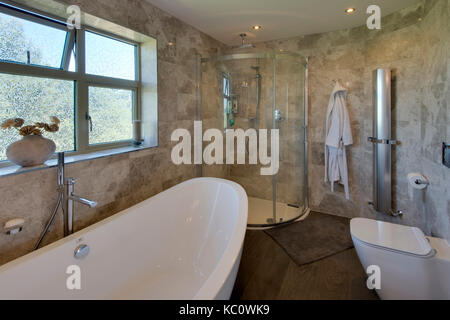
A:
(268, 273)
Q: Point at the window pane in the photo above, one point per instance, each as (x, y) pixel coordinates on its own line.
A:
(28, 42)
(35, 100)
(72, 63)
(111, 111)
(110, 58)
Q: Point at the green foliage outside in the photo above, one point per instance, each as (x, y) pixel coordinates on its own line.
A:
(111, 112)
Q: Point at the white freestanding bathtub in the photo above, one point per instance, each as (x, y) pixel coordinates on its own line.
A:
(184, 243)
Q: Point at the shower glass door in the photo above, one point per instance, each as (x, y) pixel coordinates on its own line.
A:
(261, 91)
(289, 118)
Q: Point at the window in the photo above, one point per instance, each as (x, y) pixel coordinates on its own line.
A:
(90, 80)
(27, 42)
(102, 52)
(34, 99)
(227, 102)
(112, 126)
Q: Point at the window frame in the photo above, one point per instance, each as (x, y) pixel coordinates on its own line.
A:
(82, 81)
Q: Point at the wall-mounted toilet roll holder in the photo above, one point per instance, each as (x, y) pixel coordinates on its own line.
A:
(420, 182)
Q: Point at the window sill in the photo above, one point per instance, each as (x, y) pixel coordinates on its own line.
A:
(13, 169)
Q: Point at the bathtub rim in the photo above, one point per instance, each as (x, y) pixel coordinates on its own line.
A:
(213, 284)
(218, 278)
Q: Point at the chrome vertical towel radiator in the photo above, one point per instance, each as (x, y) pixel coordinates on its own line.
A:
(382, 142)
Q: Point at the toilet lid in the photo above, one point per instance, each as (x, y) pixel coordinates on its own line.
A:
(390, 236)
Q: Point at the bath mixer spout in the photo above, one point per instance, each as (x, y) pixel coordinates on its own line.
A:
(66, 199)
(70, 198)
(89, 203)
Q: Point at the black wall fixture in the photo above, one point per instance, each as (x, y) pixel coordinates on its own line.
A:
(446, 154)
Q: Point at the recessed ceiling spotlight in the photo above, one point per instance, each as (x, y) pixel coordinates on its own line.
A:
(170, 43)
(257, 27)
(350, 10)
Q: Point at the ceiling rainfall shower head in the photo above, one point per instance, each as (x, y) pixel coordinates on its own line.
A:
(244, 45)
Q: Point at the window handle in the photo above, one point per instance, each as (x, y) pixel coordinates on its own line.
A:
(89, 118)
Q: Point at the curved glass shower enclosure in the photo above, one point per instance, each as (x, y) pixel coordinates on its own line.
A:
(261, 91)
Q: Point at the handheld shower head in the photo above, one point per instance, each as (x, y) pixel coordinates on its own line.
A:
(256, 68)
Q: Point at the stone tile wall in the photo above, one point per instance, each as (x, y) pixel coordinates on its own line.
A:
(414, 43)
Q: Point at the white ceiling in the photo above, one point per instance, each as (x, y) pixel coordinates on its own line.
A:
(224, 20)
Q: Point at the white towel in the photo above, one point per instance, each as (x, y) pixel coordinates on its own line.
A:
(338, 136)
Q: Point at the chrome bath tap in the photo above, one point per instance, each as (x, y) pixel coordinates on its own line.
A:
(69, 199)
(66, 198)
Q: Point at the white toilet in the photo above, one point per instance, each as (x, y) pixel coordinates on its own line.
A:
(412, 265)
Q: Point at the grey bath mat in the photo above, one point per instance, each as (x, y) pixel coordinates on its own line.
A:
(317, 237)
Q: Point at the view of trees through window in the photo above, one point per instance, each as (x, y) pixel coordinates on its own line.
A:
(117, 124)
(36, 99)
